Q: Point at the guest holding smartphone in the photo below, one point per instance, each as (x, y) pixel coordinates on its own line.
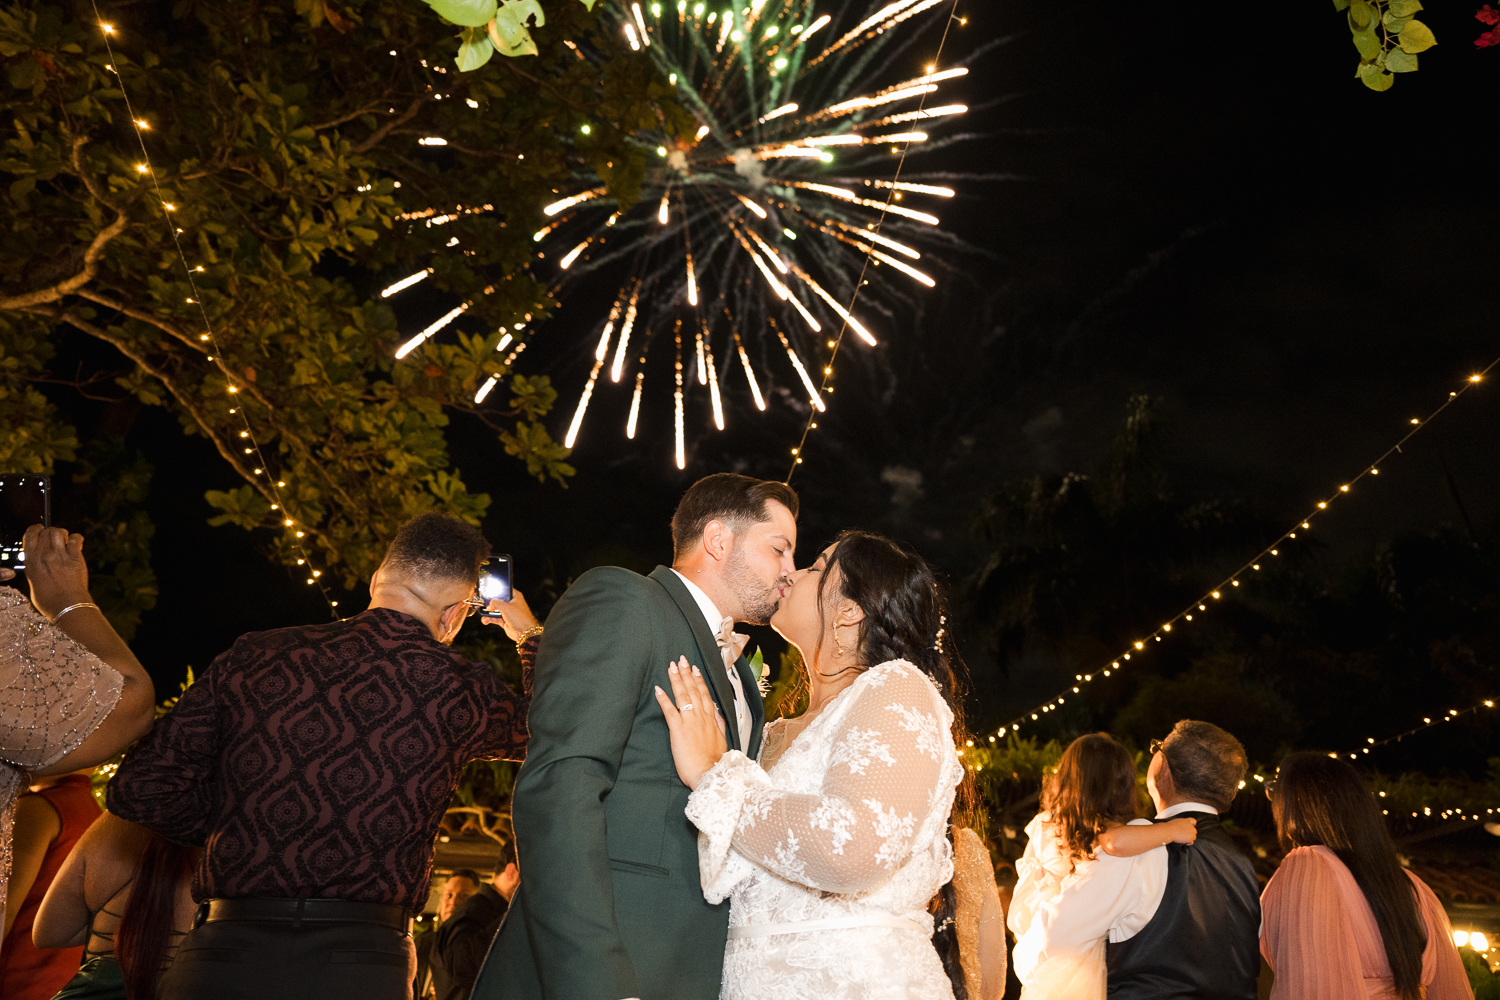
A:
(72, 694)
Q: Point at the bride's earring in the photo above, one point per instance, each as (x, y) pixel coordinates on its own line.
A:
(838, 645)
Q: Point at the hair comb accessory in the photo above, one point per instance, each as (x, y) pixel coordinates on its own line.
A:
(942, 623)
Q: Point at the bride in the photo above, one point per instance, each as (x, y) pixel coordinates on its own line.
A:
(831, 846)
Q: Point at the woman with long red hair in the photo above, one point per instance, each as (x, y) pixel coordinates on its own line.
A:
(124, 893)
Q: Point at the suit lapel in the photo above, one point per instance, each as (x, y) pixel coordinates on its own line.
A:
(712, 663)
(757, 705)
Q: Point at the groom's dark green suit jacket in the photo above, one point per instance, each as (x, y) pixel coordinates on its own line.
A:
(610, 905)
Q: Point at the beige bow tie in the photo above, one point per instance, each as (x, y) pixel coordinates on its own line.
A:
(731, 643)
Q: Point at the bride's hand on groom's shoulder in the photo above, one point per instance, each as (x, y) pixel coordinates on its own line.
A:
(694, 722)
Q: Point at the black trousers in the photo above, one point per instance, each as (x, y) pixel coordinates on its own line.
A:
(273, 960)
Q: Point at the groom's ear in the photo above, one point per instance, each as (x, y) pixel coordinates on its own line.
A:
(717, 539)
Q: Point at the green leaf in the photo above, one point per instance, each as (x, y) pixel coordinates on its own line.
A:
(1368, 44)
(1403, 8)
(1398, 61)
(1394, 24)
(590, 3)
(23, 73)
(1416, 37)
(757, 664)
(510, 36)
(473, 54)
(1361, 16)
(470, 13)
(1373, 77)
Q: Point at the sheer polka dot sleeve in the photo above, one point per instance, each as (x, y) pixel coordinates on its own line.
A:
(891, 773)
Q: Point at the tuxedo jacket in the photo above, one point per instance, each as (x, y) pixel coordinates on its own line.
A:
(610, 905)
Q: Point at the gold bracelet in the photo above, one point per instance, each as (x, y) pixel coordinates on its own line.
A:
(534, 630)
(73, 607)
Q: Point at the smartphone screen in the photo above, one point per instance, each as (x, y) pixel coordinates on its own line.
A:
(24, 500)
(494, 578)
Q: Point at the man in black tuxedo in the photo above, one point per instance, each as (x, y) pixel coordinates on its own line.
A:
(1202, 940)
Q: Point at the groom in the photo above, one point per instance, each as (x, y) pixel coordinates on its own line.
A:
(610, 907)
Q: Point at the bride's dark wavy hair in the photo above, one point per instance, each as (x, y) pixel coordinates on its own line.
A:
(904, 605)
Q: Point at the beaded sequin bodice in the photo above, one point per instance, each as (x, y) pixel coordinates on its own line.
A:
(53, 694)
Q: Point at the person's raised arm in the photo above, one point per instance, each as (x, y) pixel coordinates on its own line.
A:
(1124, 840)
(59, 579)
(165, 783)
(890, 752)
(99, 866)
(506, 731)
(590, 675)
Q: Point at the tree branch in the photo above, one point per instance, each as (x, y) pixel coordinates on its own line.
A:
(182, 400)
(172, 331)
(349, 117)
(379, 135)
(90, 256)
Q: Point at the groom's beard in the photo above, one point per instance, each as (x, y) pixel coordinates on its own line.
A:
(757, 600)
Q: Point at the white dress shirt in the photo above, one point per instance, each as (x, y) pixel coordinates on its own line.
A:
(1104, 898)
(1107, 897)
(715, 618)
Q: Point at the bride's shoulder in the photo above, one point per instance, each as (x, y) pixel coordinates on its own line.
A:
(901, 676)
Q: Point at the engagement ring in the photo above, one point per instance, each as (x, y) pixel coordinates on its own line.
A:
(686, 708)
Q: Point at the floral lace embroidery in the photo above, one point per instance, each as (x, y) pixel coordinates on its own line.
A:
(849, 820)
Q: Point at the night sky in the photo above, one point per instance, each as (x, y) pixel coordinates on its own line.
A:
(1206, 207)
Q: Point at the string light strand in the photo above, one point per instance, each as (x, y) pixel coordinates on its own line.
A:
(1248, 569)
(845, 314)
(293, 532)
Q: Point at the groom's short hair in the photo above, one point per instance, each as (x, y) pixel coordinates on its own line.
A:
(1207, 763)
(738, 501)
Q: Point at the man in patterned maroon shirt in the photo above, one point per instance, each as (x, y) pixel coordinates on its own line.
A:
(314, 765)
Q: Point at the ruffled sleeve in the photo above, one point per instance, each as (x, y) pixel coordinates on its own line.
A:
(53, 692)
(1442, 969)
(891, 765)
(1036, 881)
(1306, 934)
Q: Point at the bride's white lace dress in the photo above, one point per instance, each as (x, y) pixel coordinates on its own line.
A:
(848, 826)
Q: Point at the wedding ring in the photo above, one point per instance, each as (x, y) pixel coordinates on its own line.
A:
(685, 708)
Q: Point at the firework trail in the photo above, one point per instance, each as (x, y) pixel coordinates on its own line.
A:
(753, 230)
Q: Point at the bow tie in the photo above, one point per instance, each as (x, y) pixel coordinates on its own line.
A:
(731, 643)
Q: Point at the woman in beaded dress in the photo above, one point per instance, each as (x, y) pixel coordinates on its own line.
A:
(831, 845)
(72, 694)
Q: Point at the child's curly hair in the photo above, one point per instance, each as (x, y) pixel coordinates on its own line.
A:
(1094, 784)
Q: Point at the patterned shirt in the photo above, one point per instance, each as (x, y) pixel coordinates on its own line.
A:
(318, 761)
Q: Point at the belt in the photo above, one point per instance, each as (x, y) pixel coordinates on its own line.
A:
(303, 911)
(833, 923)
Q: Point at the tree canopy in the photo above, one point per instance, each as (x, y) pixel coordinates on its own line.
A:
(285, 162)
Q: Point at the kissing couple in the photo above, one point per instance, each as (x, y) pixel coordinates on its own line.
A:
(673, 846)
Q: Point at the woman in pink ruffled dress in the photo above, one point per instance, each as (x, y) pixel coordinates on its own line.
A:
(1341, 919)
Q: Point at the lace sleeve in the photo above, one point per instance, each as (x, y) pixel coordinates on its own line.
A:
(53, 692)
(888, 769)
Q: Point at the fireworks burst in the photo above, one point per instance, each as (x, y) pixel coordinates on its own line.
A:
(756, 228)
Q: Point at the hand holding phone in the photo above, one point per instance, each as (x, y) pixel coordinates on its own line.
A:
(494, 579)
(25, 500)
